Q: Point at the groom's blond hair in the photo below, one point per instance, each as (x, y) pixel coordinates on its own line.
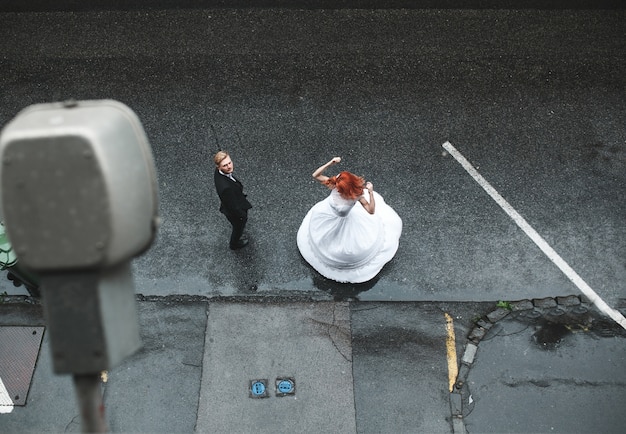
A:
(219, 157)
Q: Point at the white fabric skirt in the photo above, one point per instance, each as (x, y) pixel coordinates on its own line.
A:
(350, 248)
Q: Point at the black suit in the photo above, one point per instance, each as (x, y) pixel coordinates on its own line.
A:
(234, 204)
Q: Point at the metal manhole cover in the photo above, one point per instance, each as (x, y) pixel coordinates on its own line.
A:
(19, 348)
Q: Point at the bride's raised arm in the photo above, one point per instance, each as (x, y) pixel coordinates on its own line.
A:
(319, 172)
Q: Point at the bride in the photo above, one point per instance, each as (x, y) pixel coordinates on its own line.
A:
(343, 241)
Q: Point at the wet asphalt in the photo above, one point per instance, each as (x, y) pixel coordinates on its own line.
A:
(533, 98)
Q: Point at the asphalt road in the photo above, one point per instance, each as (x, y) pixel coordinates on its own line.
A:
(533, 98)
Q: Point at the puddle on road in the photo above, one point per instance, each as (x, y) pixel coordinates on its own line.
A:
(550, 335)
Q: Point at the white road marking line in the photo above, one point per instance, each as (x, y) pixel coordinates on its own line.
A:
(537, 239)
(6, 403)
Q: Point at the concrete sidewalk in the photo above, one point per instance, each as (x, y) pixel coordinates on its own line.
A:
(308, 343)
(198, 360)
(355, 366)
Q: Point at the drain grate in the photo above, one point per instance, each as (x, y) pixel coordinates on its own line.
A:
(19, 348)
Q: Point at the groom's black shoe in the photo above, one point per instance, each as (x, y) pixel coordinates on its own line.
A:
(241, 243)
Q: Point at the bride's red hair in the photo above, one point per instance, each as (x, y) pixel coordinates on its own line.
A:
(347, 184)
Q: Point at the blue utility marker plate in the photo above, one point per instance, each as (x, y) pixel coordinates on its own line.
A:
(258, 389)
(285, 386)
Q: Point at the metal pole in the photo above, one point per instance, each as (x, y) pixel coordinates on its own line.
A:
(89, 395)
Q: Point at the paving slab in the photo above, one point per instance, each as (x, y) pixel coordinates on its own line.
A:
(308, 342)
(155, 390)
(400, 367)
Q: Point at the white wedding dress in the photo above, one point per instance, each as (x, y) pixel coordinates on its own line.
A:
(344, 242)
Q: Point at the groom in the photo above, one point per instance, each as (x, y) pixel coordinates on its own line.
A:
(234, 204)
